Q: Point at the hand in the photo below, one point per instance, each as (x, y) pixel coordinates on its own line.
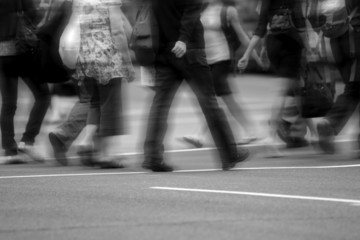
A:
(179, 49)
(312, 55)
(243, 63)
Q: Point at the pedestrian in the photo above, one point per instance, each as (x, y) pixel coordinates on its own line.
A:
(219, 56)
(285, 42)
(347, 58)
(180, 56)
(103, 63)
(14, 65)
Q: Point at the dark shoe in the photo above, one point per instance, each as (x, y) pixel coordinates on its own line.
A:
(58, 148)
(297, 143)
(242, 156)
(156, 165)
(87, 156)
(326, 137)
(110, 163)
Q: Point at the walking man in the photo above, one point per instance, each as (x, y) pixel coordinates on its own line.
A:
(181, 56)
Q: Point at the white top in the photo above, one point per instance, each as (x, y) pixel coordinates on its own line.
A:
(216, 46)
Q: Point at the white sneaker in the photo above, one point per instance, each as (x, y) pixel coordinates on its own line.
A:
(31, 152)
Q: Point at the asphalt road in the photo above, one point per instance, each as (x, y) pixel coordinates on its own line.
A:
(302, 196)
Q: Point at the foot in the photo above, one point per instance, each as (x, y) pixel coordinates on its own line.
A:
(13, 159)
(86, 154)
(156, 165)
(194, 141)
(110, 162)
(326, 137)
(297, 143)
(58, 147)
(31, 152)
(242, 156)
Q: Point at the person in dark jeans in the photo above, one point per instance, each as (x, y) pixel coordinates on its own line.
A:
(12, 66)
(181, 56)
(65, 134)
(347, 57)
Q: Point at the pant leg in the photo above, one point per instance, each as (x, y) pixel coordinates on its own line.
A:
(9, 93)
(111, 117)
(344, 106)
(77, 119)
(167, 84)
(199, 79)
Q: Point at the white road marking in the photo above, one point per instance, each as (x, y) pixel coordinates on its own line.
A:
(268, 195)
(179, 171)
(71, 175)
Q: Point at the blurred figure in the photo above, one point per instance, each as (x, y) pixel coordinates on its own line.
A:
(103, 63)
(220, 55)
(181, 55)
(13, 65)
(347, 57)
(285, 42)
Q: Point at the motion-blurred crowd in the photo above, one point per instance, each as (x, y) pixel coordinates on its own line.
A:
(89, 48)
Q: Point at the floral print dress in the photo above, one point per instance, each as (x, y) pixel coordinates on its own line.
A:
(99, 57)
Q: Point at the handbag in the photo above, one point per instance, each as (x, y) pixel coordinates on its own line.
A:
(316, 96)
(26, 40)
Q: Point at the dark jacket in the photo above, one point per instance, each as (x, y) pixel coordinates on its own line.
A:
(9, 19)
(179, 20)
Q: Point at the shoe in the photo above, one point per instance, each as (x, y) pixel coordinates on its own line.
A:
(13, 159)
(326, 137)
(31, 152)
(297, 142)
(58, 148)
(110, 163)
(156, 165)
(193, 141)
(86, 155)
(242, 156)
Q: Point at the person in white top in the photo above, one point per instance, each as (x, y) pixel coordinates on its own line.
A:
(219, 58)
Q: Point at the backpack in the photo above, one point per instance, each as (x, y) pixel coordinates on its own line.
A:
(144, 36)
(231, 36)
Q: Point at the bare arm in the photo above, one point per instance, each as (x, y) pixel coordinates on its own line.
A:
(240, 32)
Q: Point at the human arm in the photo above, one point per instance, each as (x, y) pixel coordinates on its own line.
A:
(244, 61)
(235, 22)
(189, 19)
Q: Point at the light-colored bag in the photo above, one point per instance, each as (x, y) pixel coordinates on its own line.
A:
(70, 44)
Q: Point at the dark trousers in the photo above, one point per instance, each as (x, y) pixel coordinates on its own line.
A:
(349, 67)
(11, 68)
(106, 107)
(170, 72)
(77, 119)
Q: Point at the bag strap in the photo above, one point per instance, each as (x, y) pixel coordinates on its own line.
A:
(223, 18)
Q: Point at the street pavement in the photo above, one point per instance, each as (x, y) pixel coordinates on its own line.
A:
(303, 195)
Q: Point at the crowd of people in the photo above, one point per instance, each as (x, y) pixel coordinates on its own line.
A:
(191, 43)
